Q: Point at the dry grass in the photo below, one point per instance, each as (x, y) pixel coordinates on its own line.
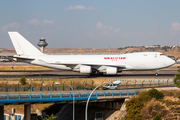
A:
(174, 94)
(41, 107)
(50, 82)
(19, 108)
(168, 108)
(22, 67)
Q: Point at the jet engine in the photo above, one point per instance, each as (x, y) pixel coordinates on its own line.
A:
(111, 70)
(85, 69)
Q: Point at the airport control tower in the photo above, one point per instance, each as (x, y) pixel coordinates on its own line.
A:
(42, 44)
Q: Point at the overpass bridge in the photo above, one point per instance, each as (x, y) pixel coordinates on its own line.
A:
(28, 98)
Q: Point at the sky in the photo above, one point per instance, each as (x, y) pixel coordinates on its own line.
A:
(92, 23)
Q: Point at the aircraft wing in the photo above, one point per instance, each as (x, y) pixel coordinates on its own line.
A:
(92, 65)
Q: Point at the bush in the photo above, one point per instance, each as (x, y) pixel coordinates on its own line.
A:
(157, 117)
(177, 79)
(138, 117)
(133, 106)
(154, 93)
(23, 80)
(144, 96)
(170, 93)
(52, 117)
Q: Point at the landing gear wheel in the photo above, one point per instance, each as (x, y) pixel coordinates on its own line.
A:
(101, 74)
(156, 74)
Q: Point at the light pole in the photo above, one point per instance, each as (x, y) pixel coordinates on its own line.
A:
(42, 85)
(18, 86)
(92, 84)
(53, 85)
(90, 97)
(150, 82)
(135, 83)
(73, 84)
(30, 85)
(158, 82)
(142, 83)
(127, 84)
(167, 82)
(73, 99)
(6, 85)
(84, 85)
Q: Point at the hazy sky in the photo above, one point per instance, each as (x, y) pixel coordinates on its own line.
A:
(92, 23)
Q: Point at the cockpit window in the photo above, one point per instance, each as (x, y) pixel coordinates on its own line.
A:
(161, 54)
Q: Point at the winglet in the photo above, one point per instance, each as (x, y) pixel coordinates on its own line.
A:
(23, 46)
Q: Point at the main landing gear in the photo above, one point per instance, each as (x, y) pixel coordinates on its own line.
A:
(157, 72)
(96, 73)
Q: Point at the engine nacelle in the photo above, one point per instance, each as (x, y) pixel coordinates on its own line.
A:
(85, 69)
(111, 70)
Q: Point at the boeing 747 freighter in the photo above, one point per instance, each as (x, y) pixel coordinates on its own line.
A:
(90, 64)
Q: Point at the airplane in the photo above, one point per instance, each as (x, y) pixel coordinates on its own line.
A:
(89, 64)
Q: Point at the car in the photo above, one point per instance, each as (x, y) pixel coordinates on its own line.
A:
(110, 86)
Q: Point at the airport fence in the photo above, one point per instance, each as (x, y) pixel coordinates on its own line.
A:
(77, 88)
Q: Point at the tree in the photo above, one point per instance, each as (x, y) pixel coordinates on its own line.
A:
(23, 80)
(177, 79)
(157, 117)
(154, 93)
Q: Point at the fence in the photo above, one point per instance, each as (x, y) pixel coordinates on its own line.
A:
(67, 88)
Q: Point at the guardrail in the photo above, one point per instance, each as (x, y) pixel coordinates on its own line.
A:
(62, 96)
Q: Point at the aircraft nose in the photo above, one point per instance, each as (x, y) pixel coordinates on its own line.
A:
(170, 62)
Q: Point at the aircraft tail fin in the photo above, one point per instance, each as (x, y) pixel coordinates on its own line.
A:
(23, 46)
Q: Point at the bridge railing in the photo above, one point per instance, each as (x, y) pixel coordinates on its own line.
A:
(6, 98)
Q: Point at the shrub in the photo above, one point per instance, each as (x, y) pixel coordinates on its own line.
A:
(157, 117)
(144, 96)
(154, 93)
(138, 117)
(177, 79)
(23, 80)
(170, 93)
(179, 96)
(133, 106)
(52, 117)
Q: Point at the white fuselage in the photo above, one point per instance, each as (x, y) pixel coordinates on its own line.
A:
(131, 61)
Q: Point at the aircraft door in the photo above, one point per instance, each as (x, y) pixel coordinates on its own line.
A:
(155, 55)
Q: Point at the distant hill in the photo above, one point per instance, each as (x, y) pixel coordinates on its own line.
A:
(165, 50)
